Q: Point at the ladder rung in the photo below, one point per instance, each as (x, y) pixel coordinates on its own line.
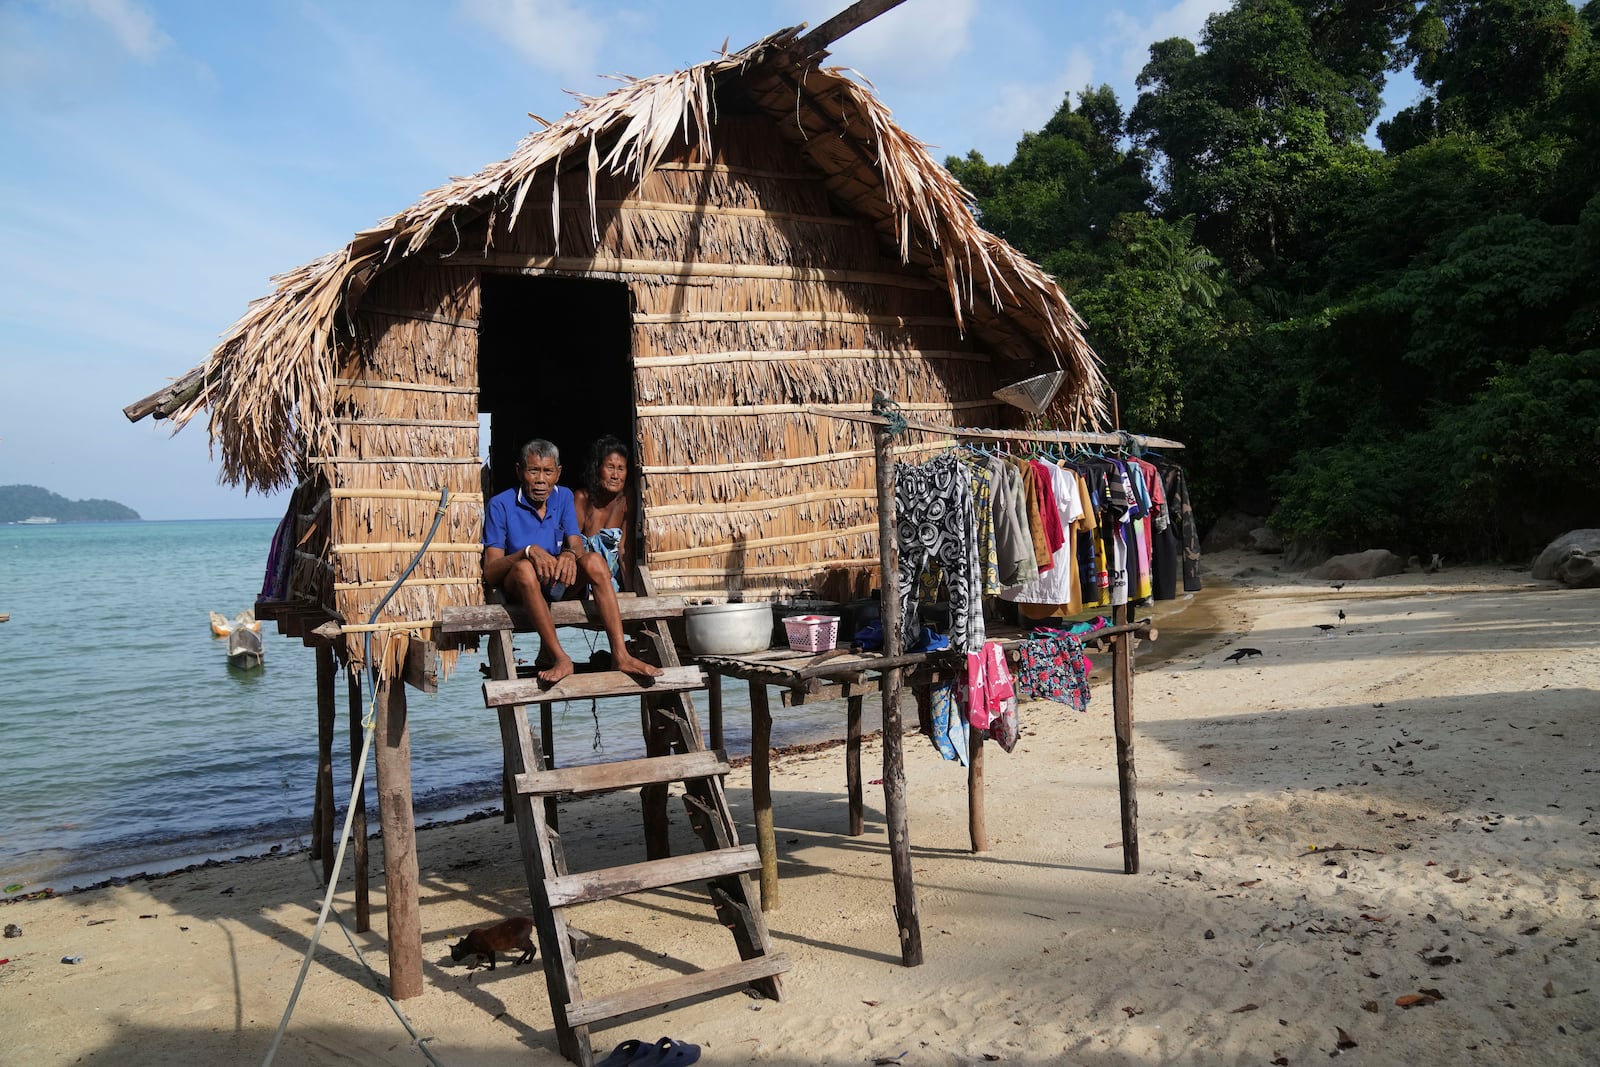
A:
(624, 774)
(588, 1012)
(595, 684)
(587, 886)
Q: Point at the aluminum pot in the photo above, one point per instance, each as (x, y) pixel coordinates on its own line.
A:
(728, 629)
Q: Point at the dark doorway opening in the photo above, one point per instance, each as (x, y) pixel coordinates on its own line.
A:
(554, 361)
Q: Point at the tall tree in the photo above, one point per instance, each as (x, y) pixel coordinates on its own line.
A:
(1489, 64)
(1280, 92)
(1067, 183)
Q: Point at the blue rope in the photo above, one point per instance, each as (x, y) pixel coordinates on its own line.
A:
(888, 409)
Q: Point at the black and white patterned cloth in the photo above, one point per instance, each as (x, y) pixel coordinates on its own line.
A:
(936, 525)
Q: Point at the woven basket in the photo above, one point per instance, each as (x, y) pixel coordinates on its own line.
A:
(812, 633)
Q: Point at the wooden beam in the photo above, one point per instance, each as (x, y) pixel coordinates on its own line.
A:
(422, 665)
(761, 792)
(358, 821)
(1122, 724)
(322, 842)
(907, 922)
(588, 886)
(164, 402)
(624, 774)
(657, 994)
(852, 765)
(584, 686)
(393, 743)
(487, 618)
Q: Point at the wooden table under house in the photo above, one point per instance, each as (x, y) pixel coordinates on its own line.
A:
(840, 673)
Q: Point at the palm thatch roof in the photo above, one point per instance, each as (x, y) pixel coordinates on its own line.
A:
(270, 383)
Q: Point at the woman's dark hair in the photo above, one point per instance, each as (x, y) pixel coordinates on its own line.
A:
(604, 447)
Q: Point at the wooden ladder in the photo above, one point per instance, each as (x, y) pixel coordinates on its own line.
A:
(676, 752)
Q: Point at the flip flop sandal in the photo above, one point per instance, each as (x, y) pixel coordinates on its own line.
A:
(669, 1053)
(630, 1052)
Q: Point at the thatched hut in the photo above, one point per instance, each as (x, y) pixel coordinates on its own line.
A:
(690, 262)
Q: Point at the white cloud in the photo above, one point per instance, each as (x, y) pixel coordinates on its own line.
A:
(554, 34)
(912, 42)
(56, 55)
(130, 25)
(1020, 107)
(1132, 38)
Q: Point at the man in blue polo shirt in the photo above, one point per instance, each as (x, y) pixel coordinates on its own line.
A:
(533, 550)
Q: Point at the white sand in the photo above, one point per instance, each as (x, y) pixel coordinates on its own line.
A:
(1437, 749)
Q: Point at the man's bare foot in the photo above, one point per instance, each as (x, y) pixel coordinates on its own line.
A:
(629, 665)
(561, 668)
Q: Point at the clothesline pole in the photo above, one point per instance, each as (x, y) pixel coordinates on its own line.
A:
(894, 771)
(1122, 723)
(1069, 437)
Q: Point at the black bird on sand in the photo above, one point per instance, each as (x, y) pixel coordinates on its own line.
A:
(1326, 626)
(1241, 654)
(1341, 615)
(1336, 585)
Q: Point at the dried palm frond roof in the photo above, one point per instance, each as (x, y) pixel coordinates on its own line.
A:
(269, 383)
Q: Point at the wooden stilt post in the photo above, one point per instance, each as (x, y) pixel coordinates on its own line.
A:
(894, 771)
(852, 764)
(322, 847)
(714, 706)
(393, 744)
(652, 798)
(358, 822)
(977, 826)
(761, 791)
(1122, 723)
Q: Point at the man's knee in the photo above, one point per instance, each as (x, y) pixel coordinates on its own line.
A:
(594, 568)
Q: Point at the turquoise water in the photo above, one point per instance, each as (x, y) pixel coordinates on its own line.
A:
(128, 744)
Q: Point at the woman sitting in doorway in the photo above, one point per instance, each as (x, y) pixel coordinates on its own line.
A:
(603, 509)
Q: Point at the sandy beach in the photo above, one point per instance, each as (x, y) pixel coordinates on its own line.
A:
(1401, 810)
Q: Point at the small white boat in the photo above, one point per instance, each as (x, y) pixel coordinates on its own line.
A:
(244, 649)
(37, 520)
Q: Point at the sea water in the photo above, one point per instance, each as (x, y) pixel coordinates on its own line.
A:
(128, 744)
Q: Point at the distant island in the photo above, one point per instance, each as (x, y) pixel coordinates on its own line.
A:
(19, 503)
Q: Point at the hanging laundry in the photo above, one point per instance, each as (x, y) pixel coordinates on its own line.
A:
(950, 725)
(1057, 589)
(1015, 562)
(1051, 666)
(1177, 494)
(988, 684)
(935, 524)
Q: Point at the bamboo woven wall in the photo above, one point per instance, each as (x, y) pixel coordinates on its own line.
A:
(407, 427)
(755, 296)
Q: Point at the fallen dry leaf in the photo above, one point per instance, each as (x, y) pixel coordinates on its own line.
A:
(1434, 993)
(1250, 884)
(870, 1003)
(1345, 1040)
(1549, 989)
(1529, 932)
(1412, 1000)
(1132, 1011)
(1375, 918)
(1245, 1007)
(1370, 1005)
(1438, 961)
(1281, 1061)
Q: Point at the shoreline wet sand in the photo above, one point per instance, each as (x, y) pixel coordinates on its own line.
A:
(1376, 842)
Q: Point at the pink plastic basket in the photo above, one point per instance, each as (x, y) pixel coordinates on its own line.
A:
(811, 633)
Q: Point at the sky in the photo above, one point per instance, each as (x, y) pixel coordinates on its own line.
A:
(163, 160)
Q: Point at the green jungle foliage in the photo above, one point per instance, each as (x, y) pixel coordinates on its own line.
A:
(1389, 347)
(18, 502)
